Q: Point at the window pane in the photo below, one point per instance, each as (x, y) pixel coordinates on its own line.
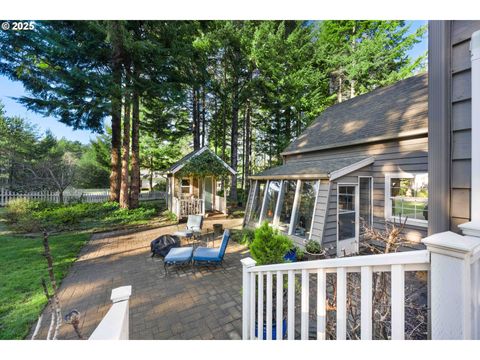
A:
(257, 203)
(272, 197)
(366, 201)
(409, 197)
(346, 212)
(303, 221)
(286, 205)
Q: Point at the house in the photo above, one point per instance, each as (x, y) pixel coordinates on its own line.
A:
(361, 162)
(454, 126)
(195, 182)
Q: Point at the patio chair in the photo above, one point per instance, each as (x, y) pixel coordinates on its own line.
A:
(193, 228)
(177, 256)
(206, 255)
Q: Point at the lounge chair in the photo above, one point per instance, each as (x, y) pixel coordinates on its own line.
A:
(178, 256)
(212, 255)
(194, 227)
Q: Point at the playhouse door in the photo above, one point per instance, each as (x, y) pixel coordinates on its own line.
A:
(347, 219)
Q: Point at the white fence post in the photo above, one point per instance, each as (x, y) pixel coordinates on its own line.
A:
(115, 324)
(246, 264)
(455, 311)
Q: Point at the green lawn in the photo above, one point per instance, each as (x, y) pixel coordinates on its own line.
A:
(22, 267)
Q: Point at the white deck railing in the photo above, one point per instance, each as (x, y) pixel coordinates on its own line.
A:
(451, 259)
(185, 207)
(115, 324)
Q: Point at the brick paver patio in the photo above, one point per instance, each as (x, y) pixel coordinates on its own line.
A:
(205, 304)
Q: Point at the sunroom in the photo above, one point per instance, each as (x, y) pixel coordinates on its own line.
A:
(294, 197)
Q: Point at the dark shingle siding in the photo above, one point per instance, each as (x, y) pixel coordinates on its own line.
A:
(384, 112)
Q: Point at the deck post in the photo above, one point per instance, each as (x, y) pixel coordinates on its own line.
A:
(453, 293)
(246, 287)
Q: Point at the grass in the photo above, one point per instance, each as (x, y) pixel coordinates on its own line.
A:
(22, 267)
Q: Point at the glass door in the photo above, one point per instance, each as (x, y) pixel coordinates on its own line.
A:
(347, 219)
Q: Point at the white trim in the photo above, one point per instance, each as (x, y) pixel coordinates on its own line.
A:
(277, 205)
(475, 153)
(295, 207)
(350, 168)
(357, 217)
(388, 201)
(260, 218)
(314, 210)
(250, 205)
(201, 151)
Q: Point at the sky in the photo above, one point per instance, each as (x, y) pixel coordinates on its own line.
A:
(11, 89)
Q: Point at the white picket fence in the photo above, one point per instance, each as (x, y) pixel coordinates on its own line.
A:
(77, 195)
(454, 291)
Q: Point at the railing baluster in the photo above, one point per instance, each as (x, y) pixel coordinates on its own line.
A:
(366, 303)
(291, 305)
(269, 305)
(321, 303)
(260, 306)
(341, 303)
(305, 305)
(398, 302)
(253, 286)
(279, 328)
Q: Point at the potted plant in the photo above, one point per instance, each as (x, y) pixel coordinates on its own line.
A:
(270, 247)
(314, 251)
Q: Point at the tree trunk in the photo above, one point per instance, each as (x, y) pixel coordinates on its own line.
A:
(135, 178)
(248, 146)
(116, 112)
(340, 89)
(60, 196)
(124, 187)
(203, 116)
(195, 122)
(234, 141)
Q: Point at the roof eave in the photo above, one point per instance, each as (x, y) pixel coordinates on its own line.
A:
(401, 135)
(289, 177)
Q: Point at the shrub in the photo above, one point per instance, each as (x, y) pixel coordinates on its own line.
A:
(313, 247)
(269, 246)
(237, 214)
(300, 253)
(18, 208)
(244, 236)
(170, 216)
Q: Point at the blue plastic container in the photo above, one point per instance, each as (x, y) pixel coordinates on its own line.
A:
(274, 330)
(291, 256)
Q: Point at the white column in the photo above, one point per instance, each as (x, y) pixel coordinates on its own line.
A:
(115, 324)
(246, 288)
(455, 312)
(473, 227)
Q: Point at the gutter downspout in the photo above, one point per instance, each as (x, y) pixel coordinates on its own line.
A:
(473, 227)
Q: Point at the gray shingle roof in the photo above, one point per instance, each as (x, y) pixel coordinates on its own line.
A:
(320, 169)
(384, 113)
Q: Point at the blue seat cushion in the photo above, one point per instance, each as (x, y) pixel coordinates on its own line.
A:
(206, 254)
(179, 255)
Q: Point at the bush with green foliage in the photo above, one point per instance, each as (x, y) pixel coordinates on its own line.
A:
(313, 247)
(170, 215)
(300, 253)
(244, 236)
(269, 246)
(33, 216)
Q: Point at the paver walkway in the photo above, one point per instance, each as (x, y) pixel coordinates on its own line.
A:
(205, 304)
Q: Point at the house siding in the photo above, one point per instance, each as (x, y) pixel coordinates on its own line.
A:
(449, 67)
(407, 155)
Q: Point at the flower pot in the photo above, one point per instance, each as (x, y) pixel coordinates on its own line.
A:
(274, 330)
(311, 256)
